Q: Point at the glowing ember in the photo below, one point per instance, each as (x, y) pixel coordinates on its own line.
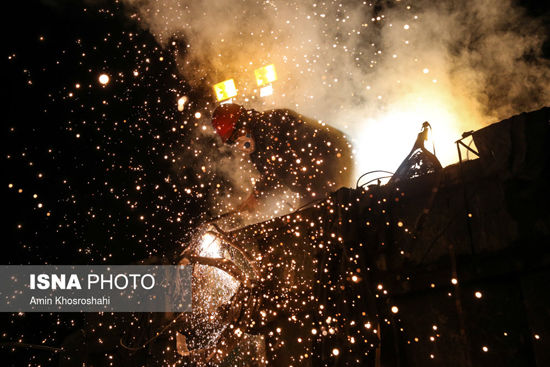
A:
(181, 103)
(210, 246)
(104, 79)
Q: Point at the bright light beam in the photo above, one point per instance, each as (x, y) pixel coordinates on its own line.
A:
(387, 138)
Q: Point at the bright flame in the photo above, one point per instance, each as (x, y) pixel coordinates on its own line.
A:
(225, 90)
(210, 246)
(386, 139)
(265, 75)
(215, 285)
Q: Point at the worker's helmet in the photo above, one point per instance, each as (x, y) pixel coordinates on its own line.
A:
(225, 119)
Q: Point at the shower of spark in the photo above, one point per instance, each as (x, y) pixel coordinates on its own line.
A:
(130, 163)
(223, 284)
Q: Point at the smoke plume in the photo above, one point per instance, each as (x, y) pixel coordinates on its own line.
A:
(376, 70)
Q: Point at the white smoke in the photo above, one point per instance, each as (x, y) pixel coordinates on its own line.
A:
(375, 70)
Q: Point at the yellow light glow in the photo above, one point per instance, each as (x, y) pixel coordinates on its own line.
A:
(265, 75)
(386, 138)
(210, 246)
(266, 91)
(225, 90)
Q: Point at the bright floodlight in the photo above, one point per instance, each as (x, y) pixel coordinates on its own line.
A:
(266, 91)
(265, 75)
(225, 90)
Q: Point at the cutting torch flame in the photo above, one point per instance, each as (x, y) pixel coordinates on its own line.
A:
(210, 246)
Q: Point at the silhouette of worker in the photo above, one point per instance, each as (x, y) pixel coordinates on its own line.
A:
(288, 149)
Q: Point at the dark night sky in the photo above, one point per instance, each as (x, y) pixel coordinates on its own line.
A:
(84, 151)
(73, 158)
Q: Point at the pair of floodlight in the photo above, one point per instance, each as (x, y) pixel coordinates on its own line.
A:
(264, 77)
